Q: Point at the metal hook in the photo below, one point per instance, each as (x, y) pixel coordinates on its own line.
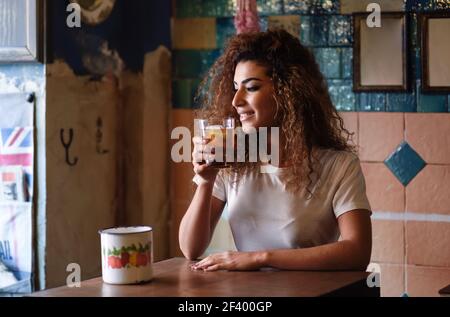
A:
(67, 146)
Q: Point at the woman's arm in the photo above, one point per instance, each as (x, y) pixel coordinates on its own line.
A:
(351, 253)
(199, 221)
(197, 225)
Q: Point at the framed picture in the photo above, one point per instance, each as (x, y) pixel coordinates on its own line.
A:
(22, 29)
(380, 60)
(435, 49)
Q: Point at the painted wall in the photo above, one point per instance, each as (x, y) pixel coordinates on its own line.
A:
(407, 184)
(118, 71)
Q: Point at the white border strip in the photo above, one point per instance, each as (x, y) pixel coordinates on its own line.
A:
(409, 216)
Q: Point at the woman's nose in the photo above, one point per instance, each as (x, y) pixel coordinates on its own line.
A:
(238, 100)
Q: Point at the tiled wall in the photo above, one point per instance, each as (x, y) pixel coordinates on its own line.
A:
(201, 27)
(405, 155)
(406, 162)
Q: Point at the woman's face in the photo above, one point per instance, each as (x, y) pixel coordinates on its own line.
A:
(253, 99)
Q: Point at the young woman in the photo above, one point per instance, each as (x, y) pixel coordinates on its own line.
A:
(311, 212)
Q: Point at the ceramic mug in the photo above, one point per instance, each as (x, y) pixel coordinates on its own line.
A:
(127, 254)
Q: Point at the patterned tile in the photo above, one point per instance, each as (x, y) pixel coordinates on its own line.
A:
(329, 61)
(225, 29)
(347, 97)
(296, 7)
(305, 30)
(324, 6)
(420, 5)
(405, 163)
(319, 30)
(371, 102)
(270, 7)
(218, 8)
(347, 62)
(413, 35)
(263, 23)
(401, 102)
(205, 8)
(340, 30)
(186, 9)
(342, 95)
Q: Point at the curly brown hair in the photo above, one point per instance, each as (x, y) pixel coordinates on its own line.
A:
(305, 113)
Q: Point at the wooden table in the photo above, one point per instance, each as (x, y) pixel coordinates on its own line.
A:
(174, 278)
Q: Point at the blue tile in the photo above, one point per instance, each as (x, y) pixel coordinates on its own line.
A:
(347, 97)
(421, 5)
(296, 7)
(319, 30)
(340, 30)
(413, 30)
(401, 102)
(224, 30)
(305, 30)
(405, 163)
(329, 61)
(324, 6)
(431, 103)
(371, 102)
(427, 5)
(342, 95)
(333, 90)
(263, 24)
(347, 62)
(417, 62)
(270, 7)
(218, 8)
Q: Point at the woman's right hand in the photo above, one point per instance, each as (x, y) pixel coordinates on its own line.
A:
(206, 173)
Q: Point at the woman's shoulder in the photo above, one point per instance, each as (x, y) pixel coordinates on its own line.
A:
(337, 158)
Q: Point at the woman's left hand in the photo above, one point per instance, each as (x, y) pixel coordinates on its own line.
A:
(230, 260)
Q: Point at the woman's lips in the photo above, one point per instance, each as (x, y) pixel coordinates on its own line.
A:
(246, 116)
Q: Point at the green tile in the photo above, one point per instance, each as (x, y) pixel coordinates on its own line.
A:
(224, 30)
(181, 93)
(432, 103)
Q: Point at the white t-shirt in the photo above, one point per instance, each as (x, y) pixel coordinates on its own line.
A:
(263, 215)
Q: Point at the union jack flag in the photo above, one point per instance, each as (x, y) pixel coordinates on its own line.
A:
(16, 149)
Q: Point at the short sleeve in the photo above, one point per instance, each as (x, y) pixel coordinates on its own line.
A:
(351, 190)
(219, 189)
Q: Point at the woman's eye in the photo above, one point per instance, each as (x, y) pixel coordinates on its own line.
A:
(252, 88)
